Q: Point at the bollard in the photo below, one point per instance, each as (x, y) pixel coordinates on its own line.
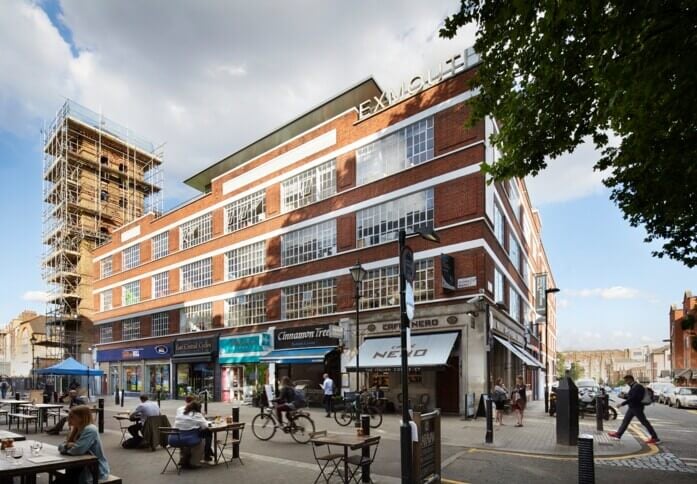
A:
(123, 396)
(489, 438)
(599, 412)
(567, 412)
(365, 452)
(117, 400)
(55, 397)
(236, 433)
(158, 398)
(205, 402)
(17, 396)
(100, 415)
(586, 467)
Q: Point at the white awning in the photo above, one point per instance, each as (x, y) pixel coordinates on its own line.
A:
(426, 350)
(520, 353)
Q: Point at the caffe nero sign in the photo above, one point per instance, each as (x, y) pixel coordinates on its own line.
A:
(196, 346)
(305, 337)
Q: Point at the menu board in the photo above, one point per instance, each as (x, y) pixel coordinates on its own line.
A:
(427, 456)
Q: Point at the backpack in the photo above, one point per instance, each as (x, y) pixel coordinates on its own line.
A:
(648, 396)
(299, 400)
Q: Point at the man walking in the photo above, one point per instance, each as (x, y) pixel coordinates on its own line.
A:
(328, 388)
(636, 409)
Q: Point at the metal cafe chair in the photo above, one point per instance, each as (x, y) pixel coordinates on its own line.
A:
(326, 462)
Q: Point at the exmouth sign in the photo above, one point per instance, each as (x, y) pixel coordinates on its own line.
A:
(418, 83)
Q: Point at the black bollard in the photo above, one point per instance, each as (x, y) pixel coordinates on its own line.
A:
(236, 433)
(17, 396)
(599, 410)
(123, 395)
(158, 397)
(100, 415)
(567, 412)
(489, 438)
(117, 400)
(205, 403)
(55, 397)
(586, 467)
(365, 452)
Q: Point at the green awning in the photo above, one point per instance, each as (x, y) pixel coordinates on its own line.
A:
(242, 349)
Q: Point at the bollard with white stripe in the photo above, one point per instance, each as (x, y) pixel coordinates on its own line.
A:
(586, 466)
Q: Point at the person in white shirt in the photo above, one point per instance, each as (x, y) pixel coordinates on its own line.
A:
(190, 418)
(141, 413)
(328, 388)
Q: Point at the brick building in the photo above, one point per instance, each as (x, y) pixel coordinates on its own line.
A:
(683, 340)
(250, 281)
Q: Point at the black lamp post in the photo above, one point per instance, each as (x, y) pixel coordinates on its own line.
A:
(358, 274)
(548, 291)
(405, 429)
(33, 341)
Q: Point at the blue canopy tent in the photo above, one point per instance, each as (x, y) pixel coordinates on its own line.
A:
(71, 366)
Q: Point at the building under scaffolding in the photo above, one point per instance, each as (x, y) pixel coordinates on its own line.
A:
(97, 176)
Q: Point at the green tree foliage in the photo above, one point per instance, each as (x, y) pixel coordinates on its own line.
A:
(576, 371)
(557, 72)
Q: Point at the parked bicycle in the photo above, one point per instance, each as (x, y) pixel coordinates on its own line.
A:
(299, 425)
(348, 411)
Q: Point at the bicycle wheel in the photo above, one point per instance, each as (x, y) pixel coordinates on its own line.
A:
(343, 417)
(375, 417)
(263, 426)
(301, 428)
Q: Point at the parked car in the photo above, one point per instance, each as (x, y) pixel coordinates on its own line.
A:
(587, 384)
(657, 387)
(686, 397)
(663, 394)
(670, 396)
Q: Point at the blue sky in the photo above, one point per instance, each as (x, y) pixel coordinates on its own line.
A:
(205, 80)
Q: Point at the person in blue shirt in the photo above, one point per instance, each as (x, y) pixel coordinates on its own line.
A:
(328, 389)
(83, 439)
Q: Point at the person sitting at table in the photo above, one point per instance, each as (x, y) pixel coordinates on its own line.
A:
(146, 409)
(83, 439)
(74, 401)
(193, 425)
(187, 400)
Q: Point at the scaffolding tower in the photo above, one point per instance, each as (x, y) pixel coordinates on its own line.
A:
(97, 176)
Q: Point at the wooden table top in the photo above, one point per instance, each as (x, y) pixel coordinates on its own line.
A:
(14, 402)
(26, 466)
(42, 405)
(352, 441)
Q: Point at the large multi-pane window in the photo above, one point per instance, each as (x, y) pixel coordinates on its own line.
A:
(160, 284)
(309, 299)
(196, 318)
(160, 245)
(407, 147)
(309, 186)
(160, 324)
(310, 243)
(499, 225)
(106, 300)
(514, 304)
(246, 211)
(245, 310)
(106, 334)
(514, 251)
(245, 261)
(130, 257)
(130, 293)
(106, 266)
(498, 286)
(197, 274)
(196, 231)
(514, 197)
(381, 223)
(131, 329)
(380, 287)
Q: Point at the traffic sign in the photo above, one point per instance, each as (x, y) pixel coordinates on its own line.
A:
(407, 264)
(409, 300)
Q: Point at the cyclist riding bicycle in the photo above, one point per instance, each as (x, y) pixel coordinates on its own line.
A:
(284, 402)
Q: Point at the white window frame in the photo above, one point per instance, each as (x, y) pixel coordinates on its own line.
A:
(196, 232)
(106, 300)
(380, 287)
(245, 310)
(245, 261)
(196, 275)
(130, 329)
(308, 187)
(514, 304)
(130, 257)
(499, 225)
(498, 286)
(246, 211)
(160, 245)
(160, 284)
(160, 324)
(132, 289)
(514, 198)
(106, 266)
(106, 333)
(309, 299)
(381, 223)
(514, 252)
(310, 243)
(198, 317)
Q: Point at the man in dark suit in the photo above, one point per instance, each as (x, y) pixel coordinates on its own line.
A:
(636, 409)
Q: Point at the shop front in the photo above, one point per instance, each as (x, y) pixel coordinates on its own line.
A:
(304, 354)
(241, 369)
(195, 368)
(142, 369)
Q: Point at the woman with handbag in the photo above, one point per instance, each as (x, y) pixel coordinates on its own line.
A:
(500, 396)
(519, 400)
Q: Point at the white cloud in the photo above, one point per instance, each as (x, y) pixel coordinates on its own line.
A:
(35, 296)
(609, 293)
(563, 303)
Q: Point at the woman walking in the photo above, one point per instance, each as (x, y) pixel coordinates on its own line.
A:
(519, 399)
(83, 439)
(500, 396)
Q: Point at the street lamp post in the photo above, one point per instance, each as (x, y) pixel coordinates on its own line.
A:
(405, 428)
(358, 273)
(33, 341)
(548, 291)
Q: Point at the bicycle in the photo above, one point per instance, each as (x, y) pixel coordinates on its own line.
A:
(300, 426)
(349, 412)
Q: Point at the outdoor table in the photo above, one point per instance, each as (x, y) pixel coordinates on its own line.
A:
(121, 418)
(215, 428)
(352, 442)
(49, 460)
(14, 404)
(6, 434)
(42, 409)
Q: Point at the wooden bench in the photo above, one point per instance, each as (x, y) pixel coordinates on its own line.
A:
(26, 418)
